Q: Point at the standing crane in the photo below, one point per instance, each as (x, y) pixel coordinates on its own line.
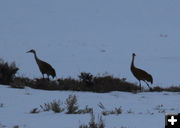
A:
(44, 67)
(140, 74)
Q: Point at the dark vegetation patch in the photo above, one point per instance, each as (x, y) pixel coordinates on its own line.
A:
(106, 112)
(34, 110)
(86, 82)
(1, 105)
(71, 104)
(168, 89)
(7, 72)
(90, 83)
(85, 110)
(116, 111)
(16, 126)
(57, 107)
(73, 108)
(93, 124)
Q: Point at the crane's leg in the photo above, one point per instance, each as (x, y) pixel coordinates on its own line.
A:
(140, 84)
(148, 85)
(48, 77)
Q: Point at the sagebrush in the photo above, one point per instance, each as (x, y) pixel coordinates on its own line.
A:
(93, 124)
(7, 72)
(71, 104)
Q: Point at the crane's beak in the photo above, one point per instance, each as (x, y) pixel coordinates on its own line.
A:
(28, 51)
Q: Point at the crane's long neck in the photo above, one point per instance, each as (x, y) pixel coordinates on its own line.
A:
(36, 58)
(132, 63)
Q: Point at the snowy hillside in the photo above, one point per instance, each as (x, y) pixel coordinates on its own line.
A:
(138, 110)
(95, 36)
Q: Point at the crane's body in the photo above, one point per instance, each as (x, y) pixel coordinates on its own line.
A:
(44, 67)
(140, 74)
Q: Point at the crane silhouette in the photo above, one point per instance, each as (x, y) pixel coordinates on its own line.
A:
(44, 67)
(140, 74)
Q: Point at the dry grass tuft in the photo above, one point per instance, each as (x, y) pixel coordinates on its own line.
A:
(71, 104)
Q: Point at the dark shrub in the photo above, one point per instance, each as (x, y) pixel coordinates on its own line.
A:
(116, 111)
(16, 126)
(55, 106)
(1, 105)
(169, 89)
(7, 72)
(21, 82)
(45, 84)
(93, 124)
(34, 110)
(72, 105)
(86, 78)
(157, 89)
(109, 83)
(173, 89)
(105, 112)
(69, 84)
(85, 110)
(87, 82)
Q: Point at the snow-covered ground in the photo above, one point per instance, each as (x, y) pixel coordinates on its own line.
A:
(17, 104)
(95, 36)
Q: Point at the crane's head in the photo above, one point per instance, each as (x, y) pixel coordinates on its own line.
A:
(32, 51)
(133, 54)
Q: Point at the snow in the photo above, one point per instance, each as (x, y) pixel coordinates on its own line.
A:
(17, 104)
(97, 36)
(94, 36)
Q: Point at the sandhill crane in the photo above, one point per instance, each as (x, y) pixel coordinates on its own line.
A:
(140, 74)
(44, 67)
